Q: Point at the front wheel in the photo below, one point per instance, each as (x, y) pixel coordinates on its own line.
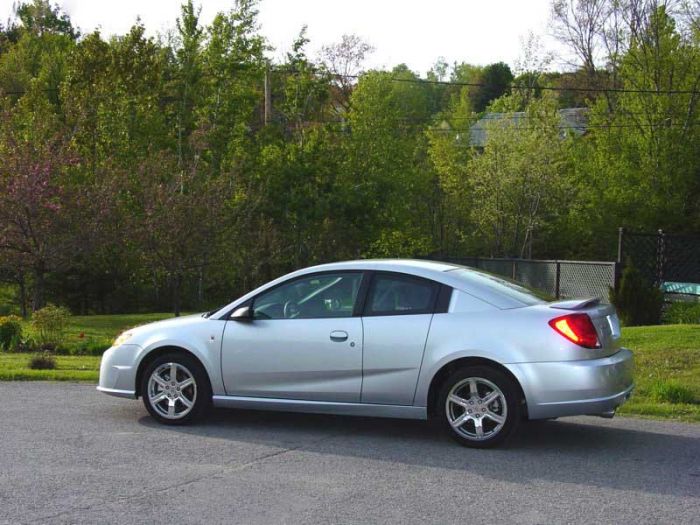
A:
(479, 406)
(175, 389)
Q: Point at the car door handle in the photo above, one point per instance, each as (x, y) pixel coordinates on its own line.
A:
(339, 336)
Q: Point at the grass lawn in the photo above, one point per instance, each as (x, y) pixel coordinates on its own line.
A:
(667, 367)
(101, 329)
(98, 330)
(667, 360)
(14, 367)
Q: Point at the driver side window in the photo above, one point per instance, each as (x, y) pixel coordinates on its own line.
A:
(314, 297)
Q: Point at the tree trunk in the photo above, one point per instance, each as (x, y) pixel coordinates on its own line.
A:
(22, 295)
(38, 295)
(177, 283)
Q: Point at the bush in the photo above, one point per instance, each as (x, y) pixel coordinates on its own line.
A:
(671, 392)
(10, 333)
(682, 313)
(637, 302)
(43, 361)
(50, 325)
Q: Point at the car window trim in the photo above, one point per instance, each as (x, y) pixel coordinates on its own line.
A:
(437, 288)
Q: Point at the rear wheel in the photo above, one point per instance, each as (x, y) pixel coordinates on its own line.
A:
(479, 406)
(175, 389)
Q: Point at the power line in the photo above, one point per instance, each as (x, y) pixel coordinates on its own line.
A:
(552, 88)
(527, 128)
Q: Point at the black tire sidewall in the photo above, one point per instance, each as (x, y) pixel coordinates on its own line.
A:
(503, 382)
(203, 400)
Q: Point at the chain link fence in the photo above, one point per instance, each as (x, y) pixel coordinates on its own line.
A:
(558, 279)
(666, 260)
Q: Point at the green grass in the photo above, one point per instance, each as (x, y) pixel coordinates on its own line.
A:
(15, 367)
(667, 371)
(667, 360)
(98, 331)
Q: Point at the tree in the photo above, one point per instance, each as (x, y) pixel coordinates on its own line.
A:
(388, 183)
(517, 182)
(639, 164)
(496, 79)
(34, 158)
(344, 61)
(41, 17)
(579, 24)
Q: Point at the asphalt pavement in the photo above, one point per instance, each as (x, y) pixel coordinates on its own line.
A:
(69, 454)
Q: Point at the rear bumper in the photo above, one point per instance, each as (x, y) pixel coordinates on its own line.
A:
(570, 388)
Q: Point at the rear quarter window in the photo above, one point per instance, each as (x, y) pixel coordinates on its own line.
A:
(505, 288)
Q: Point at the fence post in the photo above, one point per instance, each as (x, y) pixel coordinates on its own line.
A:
(620, 238)
(513, 272)
(660, 257)
(557, 274)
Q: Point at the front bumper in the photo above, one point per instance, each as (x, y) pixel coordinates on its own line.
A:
(118, 371)
(570, 388)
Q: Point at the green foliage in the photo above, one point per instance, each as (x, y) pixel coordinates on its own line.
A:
(49, 324)
(10, 333)
(43, 361)
(497, 79)
(671, 392)
(143, 173)
(682, 313)
(637, 302)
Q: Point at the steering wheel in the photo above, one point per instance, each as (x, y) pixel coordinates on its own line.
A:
(291, 309)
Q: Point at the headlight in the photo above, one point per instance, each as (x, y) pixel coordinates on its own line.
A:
(123, 338)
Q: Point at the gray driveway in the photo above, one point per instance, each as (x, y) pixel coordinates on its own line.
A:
(71, 455)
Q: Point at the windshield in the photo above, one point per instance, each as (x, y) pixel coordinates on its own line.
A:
(500, 286)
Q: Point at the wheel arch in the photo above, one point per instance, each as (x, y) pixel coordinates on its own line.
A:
(444, 372)
(156, 353)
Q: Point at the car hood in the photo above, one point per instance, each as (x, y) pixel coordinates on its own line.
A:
(140, 332)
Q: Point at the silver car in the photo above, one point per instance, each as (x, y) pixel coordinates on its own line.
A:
(388, 338)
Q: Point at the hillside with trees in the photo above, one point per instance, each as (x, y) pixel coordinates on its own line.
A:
(174, 172)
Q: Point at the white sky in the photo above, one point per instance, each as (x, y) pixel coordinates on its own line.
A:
(415, 32)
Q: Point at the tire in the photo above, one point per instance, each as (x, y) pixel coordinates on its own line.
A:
(496, 409)
(180, 401)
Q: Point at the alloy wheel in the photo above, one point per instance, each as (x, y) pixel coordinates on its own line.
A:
(172, 390)
(476, 408)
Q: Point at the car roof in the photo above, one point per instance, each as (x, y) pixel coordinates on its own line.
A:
(479, 286)
(387, 265)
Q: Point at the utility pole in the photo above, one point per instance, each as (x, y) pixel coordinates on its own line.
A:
(268, 96)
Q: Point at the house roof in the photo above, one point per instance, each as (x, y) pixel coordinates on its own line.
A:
(572, 119)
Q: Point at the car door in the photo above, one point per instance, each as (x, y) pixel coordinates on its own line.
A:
(304, 341)
(396, 319)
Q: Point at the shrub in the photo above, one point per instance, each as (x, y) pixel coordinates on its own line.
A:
(10, 333)
(43, 361)
(682, 313)
(50, 325)
(637, 301)
(671, 392)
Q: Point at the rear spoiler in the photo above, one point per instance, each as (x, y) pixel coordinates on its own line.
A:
(576, 304)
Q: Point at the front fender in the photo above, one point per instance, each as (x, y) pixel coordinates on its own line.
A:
(207, 349)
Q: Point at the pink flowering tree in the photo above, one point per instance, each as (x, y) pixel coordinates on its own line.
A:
(32, 201)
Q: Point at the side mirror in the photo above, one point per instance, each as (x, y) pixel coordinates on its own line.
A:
(243, 314)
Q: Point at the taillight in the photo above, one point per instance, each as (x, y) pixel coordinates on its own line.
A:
(577, 328)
